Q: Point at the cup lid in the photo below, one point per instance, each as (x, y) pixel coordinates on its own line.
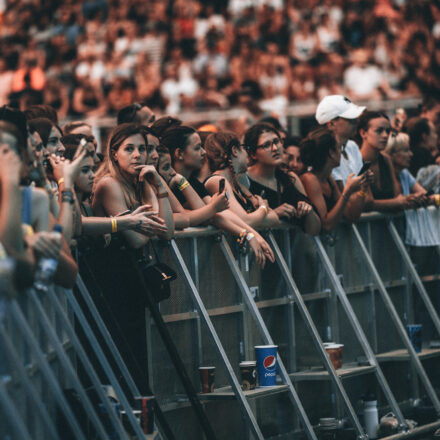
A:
(206, 368)
(266, 346)
(248, 363)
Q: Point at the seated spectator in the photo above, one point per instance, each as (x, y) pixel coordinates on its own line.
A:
(136, 113)
(423, 141)
(70, 140)
(321, 153)
(285, 195)
(364, 80)
(374, 130)
(227, 159)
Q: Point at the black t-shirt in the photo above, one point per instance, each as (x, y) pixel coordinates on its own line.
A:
(198, 187)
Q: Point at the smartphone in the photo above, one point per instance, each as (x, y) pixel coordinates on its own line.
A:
(221, 186)
(365, 167)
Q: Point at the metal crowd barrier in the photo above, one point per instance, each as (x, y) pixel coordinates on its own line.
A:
(355, 286)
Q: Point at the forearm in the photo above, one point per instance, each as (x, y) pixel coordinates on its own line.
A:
(192, 198)
(312, 224)
(386, 205)
(355, 207)
(334, 216)
(181, 220)
(166, 213)
(200, 215)
(105, 225)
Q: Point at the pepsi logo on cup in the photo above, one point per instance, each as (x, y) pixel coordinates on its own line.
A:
(270, 362)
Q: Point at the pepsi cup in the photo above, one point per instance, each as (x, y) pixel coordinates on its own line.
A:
(266, 356)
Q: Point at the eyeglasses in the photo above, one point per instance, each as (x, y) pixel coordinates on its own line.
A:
(275, 142)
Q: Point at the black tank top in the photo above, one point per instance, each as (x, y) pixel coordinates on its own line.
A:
(386, 190)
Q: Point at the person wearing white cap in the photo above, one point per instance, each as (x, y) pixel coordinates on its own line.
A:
(340, 116)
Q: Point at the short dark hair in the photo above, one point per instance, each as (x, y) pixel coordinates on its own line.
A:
(71, 143)
(253, 134)
(42, 111)
(176, 138)
(14, 121)
(416, 127)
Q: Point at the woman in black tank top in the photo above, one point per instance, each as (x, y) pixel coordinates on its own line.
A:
(321, 152)
(374, 130)
(286, 196)
(227, 158)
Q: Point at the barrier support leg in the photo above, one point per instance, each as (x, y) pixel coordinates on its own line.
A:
(247, 296)
(361, 337)
(244, 404)
(397, 322)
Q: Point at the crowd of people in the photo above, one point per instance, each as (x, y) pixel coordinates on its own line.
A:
(159, 176)
(95, 57)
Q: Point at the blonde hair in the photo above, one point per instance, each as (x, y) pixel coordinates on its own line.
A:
(395, 142)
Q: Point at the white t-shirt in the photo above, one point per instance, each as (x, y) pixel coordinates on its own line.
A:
(352, 164)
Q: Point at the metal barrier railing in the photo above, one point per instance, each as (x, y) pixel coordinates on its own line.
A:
(39, 346)
(343, 259)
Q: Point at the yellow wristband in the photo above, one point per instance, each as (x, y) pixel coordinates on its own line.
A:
(114, 225)
(29, 230)
(60, 181)
(437, 200)
(184, 185)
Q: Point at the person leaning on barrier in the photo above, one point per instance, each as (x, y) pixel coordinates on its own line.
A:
(340, 116)
(123, 184)
(188, 156)
(384, 194)
(322, 153)
(227, 159)
(284, 193)
(187, 217)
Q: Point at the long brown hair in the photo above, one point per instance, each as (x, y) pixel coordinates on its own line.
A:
(110, 168)
(218, 147)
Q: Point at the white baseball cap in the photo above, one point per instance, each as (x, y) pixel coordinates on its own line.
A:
(337, 106)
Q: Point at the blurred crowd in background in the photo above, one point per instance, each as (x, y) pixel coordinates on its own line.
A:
(92, 58)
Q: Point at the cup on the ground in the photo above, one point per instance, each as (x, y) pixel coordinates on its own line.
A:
(267, 364)
(415, 335)
(207, 377)
(146, 406)
(248, 371)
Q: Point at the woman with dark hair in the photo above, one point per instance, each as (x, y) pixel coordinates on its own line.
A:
(227, 159)
(122, 184)
(284, 193)
(188, 156)
(321, 152)
(374, 130)
(50, 134)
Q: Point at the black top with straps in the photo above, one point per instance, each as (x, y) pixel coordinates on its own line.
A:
(386, 189)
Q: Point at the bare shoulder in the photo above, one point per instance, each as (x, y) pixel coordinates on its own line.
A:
(108, 184)
(309, 179)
